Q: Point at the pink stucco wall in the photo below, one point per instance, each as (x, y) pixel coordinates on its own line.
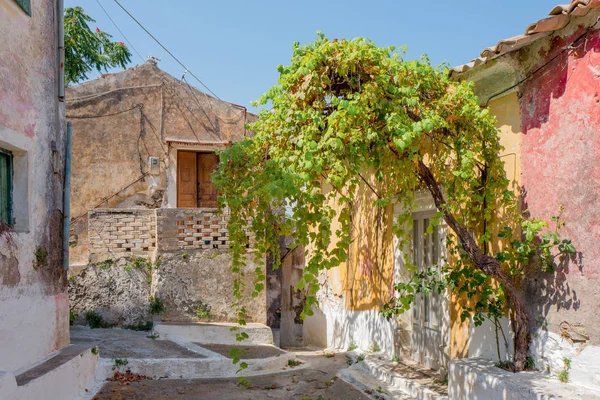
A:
(34, 308)
(560, 107)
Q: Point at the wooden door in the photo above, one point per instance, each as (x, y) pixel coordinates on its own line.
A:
(186, 179)
(207, 191)
(427, 339)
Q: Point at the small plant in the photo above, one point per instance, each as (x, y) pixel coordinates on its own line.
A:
(202, 311)
(396, 359)
(352, 346)
(184, 256)
(95, 350)
(41, 254)
(529, 364)
(141, 326)
(443, 382)
(295, 380)
(294, 363)
(105, 265)
(328, 355)
(272, 387)
(505, 365)
(360, 358)
(118, 363)
(95, 320)
(137, 263)
(563, 375)
(242, 381)
(156, 263)
(374, 348)
(153, 336)
(156, 305)
(72, 317)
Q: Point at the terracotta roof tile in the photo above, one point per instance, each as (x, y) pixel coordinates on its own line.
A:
(557, 19)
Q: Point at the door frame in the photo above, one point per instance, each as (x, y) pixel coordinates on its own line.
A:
(425, 205)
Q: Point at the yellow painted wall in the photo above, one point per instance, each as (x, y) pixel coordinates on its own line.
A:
(507, 111)
(366, 279)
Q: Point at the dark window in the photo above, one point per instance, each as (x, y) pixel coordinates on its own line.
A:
(6, 173)
(25, 5)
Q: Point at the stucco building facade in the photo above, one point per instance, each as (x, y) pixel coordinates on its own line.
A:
(34, 305)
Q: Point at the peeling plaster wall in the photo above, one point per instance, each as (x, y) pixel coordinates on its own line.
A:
(34, 308)
(558, 112)
(561, 148)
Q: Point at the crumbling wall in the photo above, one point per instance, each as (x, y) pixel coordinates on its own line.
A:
(197, 285)
(120, 293)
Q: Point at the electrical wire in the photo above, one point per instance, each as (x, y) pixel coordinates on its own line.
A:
(165, 49)
(120, 31)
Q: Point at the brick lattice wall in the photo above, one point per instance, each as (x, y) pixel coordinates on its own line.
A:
(191, 228)
(118, 233)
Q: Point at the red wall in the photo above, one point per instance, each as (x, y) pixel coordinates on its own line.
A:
(560, 108)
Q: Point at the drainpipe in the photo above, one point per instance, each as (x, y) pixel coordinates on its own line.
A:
(67, 197)
(61, 50)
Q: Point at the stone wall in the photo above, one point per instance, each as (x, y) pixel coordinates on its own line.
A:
(120, 233)
(187, 266)
(120, 295)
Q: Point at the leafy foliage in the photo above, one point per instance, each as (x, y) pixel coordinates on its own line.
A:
(344, 108)
(86, 50)
(95, 320)
(157, 306)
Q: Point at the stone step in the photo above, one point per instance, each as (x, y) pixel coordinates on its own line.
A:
(61, 357)
(214, 333)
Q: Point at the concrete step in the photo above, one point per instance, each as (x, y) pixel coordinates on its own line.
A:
(214, 333)
(408, 379)
(370, 385)
(64, 375)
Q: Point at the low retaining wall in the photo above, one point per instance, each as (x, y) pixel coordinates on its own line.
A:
(479, 379)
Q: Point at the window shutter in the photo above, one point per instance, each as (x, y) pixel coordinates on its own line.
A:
(6, 187)
(25, 5)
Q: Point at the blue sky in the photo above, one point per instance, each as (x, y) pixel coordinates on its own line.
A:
(235, 46)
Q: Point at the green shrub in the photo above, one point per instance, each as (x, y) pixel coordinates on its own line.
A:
(141, 326)
(95, 320)
(202, 311)
(156, 305)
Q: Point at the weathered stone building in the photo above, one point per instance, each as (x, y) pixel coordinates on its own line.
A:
(34, 305)
(143, 150)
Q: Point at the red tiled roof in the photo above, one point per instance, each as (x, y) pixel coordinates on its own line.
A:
(558, 18)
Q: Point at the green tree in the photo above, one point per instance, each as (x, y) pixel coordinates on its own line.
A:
(87, 49)
(346, 107)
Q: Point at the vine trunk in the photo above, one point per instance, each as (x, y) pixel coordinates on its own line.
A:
(487, 264)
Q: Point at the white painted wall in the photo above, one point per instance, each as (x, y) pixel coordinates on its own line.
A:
(549, 349)
(482, 340)
(334, 326)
